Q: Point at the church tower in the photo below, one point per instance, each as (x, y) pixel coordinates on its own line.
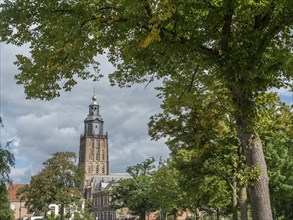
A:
(93, 150)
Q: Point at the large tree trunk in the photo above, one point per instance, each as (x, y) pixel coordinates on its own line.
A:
(259, 191)
(234, 201)
(243, 203)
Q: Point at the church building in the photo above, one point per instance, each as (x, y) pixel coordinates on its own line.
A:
(93, 150)
(94, 160)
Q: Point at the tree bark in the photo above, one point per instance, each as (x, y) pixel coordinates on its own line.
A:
(259, 191)
(234, 201)
(196, 214)
(62, 212)
(243, 203)
(174, 212)
(273, 204)
(218, 214)
(142, 216)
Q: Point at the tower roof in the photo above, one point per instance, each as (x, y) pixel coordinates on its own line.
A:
(93, 121)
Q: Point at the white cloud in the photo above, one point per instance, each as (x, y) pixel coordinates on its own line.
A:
(41, 128)
(283, 91)
(21, 175)
(44, 127)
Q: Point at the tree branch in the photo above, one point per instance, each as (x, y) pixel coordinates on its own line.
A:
(226, 29)
(268, 36)
(208, 52)
(262, 22)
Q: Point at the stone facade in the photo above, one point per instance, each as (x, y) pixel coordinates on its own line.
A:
(93, 150)
(101, 201)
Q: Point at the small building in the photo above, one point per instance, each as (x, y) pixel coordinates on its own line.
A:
(16, 204)
(101, 201)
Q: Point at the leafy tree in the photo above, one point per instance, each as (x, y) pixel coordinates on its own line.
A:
(88, 210)
(201, 135)
(276, 124)
(245, 46)
(56, 183)
(280, 162)
(135, 193)
(37, 194)
(6, 213)
(212, 148)
(174, 191)
(6, 162)
(166, 191)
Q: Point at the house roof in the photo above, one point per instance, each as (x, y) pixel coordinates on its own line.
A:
(12, 190)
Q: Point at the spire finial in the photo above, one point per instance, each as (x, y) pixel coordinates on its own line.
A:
(94, 96)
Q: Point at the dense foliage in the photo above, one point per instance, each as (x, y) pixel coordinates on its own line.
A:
(276, 125)
(6, 162)
(244, 47)
(214, 152)
(135, 193)
(56, 183)
(6, 213)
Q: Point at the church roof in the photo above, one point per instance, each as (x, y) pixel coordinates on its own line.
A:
(104, 182)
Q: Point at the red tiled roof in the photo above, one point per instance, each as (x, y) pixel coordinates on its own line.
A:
(12, 190)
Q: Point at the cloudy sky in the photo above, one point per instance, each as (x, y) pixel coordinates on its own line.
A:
(40, 128)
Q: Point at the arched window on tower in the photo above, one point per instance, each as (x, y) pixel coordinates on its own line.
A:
(98, 156)
(103, 168)
(97, 169)
(103, 155)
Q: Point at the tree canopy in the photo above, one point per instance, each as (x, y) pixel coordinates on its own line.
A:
(276, 125)
(145, 39)
(6, 213)
(243, 46)
(135, 193)
(56, 183)
(7, 161)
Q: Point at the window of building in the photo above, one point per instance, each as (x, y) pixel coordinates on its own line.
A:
(97, 168)
(89, 169)
(103, 168)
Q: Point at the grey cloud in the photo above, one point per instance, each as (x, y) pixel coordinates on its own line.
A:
(44, 127)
